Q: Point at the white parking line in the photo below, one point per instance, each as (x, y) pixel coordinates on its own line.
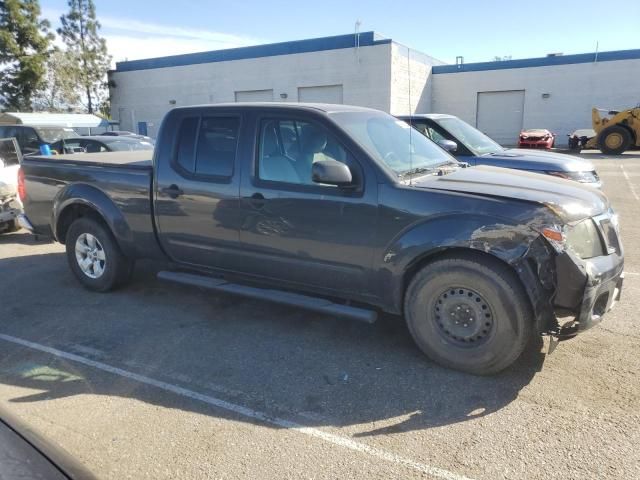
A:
(626, 176)
(244, 411)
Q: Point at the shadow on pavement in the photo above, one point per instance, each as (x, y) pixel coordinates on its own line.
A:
(21, 238)
(289, 363)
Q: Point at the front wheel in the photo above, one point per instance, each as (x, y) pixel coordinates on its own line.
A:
(614, 140)
(469, 313)
(95, 257)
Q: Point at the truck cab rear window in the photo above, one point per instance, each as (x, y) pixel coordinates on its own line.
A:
(207, 146)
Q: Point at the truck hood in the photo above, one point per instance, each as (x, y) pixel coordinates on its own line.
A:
(536, 160)
(569, 200)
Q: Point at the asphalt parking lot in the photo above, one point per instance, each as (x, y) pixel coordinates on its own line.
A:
(160, 381)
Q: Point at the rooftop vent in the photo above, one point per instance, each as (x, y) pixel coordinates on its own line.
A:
(557, 54)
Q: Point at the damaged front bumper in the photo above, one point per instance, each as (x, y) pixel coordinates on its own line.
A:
(587, 289)
(9, 209)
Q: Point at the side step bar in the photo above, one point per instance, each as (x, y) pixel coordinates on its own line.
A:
(277, 296)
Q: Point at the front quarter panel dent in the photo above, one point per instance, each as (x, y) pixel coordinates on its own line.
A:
(519, 245)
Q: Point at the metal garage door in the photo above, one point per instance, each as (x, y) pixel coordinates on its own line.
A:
(321, 94)
(500, 115)
(254, 96)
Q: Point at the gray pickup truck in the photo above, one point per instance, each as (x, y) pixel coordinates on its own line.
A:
(341, 210)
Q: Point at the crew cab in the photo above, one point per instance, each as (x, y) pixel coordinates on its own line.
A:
(470, 145)
(341, 210)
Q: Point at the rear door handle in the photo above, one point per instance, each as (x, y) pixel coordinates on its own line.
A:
(257, 200)
(172, 191)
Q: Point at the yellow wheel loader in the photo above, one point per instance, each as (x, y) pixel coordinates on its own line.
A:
(616, 132)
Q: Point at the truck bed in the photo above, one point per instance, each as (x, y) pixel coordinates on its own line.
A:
(124, 178)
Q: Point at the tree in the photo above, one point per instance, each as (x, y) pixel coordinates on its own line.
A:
(79, 32)
(24, 46)
(59, 91)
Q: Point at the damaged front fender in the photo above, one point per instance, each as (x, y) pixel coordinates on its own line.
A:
(518, 244)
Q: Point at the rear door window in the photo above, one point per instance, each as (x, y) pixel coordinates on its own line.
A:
(217, 144)
(207, 146)
(185, 154)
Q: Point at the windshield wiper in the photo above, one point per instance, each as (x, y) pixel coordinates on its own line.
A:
(415, 171)
(448, 162)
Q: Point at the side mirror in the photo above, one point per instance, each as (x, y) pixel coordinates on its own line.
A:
(448, 145)
(331, 172)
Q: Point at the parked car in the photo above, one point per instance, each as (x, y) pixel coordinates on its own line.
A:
(579, 138)
(536, 138)
(124, 133)
(97, 144)
(9, 204)
(472, 146)
(24, 454)
(31, 138)
(341, 210)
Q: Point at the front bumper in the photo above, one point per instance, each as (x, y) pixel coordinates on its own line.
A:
(587, 290)
(9, 209)
(535, 144)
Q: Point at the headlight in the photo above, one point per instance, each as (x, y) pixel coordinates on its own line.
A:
(582, 238)
(582, 177)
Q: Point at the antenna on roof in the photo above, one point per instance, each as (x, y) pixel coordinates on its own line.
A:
(596, 56)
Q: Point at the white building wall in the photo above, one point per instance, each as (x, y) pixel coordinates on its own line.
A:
(145, 95)
(410, 81)
(573, 90)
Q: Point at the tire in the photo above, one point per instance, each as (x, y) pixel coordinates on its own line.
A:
(614, 140)
(447, 292)
(109, 268)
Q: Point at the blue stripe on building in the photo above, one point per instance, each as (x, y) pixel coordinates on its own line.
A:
(366, 39)
(540, 62)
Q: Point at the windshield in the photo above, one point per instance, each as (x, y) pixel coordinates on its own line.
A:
(392, 141)
(53, 134)
(123, 146)
(470, 137)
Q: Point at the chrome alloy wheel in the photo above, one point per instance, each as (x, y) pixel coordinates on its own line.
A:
(90, 256)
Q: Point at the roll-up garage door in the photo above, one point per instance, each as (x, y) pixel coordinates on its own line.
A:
(500, 115)
(320, 94)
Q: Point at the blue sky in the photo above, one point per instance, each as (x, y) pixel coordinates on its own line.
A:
(478, 30)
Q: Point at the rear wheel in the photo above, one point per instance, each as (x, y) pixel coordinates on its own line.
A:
(94, 256)
(469, 313)
(614, 140)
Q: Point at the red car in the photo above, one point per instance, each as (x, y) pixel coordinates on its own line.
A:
(536, 138)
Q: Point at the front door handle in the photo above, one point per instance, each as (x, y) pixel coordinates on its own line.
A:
(257, 200)
(172, 191)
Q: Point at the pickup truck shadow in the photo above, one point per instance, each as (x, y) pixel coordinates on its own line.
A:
(289, 363)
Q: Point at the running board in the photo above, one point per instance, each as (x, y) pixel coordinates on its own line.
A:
(277, 296)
